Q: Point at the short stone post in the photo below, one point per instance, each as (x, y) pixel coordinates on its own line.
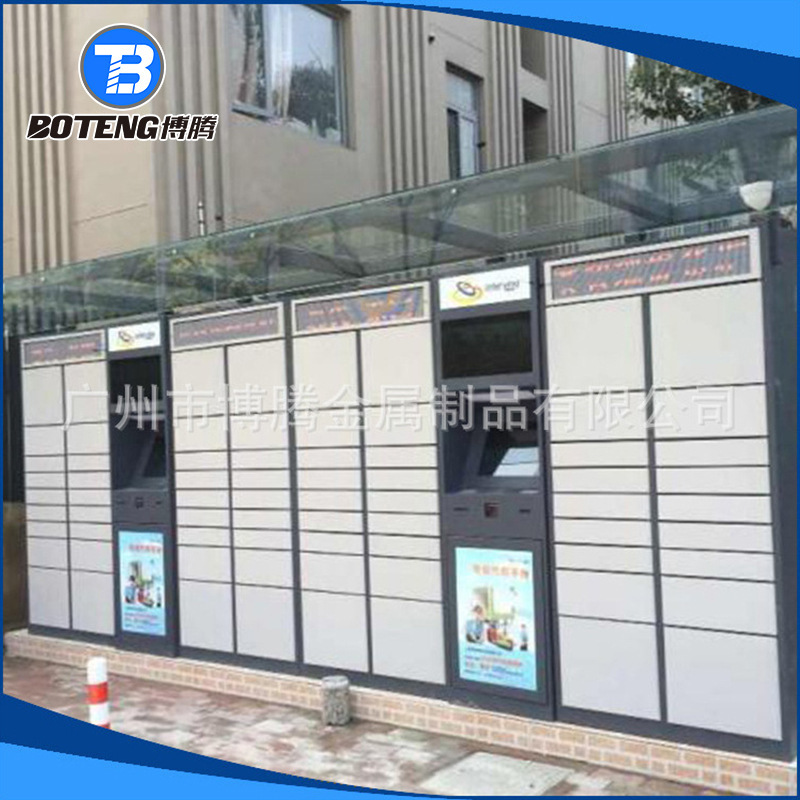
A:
(336, 700)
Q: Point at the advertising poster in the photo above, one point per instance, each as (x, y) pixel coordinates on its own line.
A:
(141, 581)
(496, 624)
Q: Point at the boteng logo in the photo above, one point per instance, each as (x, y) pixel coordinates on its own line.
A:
(467, 293)
(122, 66)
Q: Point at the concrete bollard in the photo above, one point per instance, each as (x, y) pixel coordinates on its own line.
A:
(335, 700)
(97, 691)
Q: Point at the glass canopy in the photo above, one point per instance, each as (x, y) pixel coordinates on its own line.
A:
(639, 189)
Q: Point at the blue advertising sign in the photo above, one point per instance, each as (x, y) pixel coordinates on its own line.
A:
(141, 583)
(496, 623)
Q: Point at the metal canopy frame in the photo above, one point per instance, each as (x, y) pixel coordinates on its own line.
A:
(686, 178)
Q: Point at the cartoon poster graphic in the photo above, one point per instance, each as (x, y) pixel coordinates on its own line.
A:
(141, 564)
(496, 623)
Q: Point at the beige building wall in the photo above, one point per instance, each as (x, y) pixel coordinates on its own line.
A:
(73, 201)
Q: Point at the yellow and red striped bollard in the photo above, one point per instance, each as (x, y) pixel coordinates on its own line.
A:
(97, 691)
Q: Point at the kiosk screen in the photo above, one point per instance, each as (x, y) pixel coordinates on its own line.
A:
(509, 454)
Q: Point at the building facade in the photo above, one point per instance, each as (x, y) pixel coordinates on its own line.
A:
(319, 105)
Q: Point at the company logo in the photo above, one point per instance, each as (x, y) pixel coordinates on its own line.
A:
(122, 66)
(467, 293)
(134, 337)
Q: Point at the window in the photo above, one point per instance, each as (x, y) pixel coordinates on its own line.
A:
(533, 51)
(463, 124)
(287, 67)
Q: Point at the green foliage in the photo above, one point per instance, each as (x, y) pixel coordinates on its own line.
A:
(662, 91)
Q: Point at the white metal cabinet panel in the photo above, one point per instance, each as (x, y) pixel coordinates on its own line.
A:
(404, 524)
(42, 396)
(47, 553)
(712, 453)
(614, 559)
(332, 573)
(257, 372)
(260, 479)
(201, 461)
(50, 530)
(201, 498)
(598, 417)
(44, 441)
(95, 531)
(204, 563)
(609, 666)
(352, 543)
(604, 479)
(413, 580)
(334, 521)
(203, 517)
(599, 454)
(611, 506)
(209, 537)
(48, 597)
(212, 479)
(606, 595)
(719, 604)
(262, 519)
(262, 539)
(602, 531)
(329, 500)
(265, 622)
(413, 425)
(426, 480)
(89, 463)
(723, 681)
(701, 563)
(87, 398)
(200, 434)
(420, 457)
(715, 508)
(93, 602)
(404, 502)
(260, 459)
(264, 567)
(90, 514)
(721, 327)
(326, 429)
(327, 367)
(198, 382)
(717, 480)
(329, 479)
(398, 364)
(49, 464)
(335, 630)
(395, 623)
(45, 480)
(89, 497)
(46, 513)
(596, 344)
(206, 615)
(91, 556)
(45, 497)
(90, 480)
(710, 412)
(405, 546)
(265, 432)
(754, 538)
(329, 459)
(261, 498)
(88, 438)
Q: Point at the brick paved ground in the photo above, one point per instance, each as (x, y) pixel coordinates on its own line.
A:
(291, 740)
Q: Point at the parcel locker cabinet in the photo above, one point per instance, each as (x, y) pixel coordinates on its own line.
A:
(67, 484)
(233, 487)
(492, 484)
(666, 506)
(368, 505)
(141, 487)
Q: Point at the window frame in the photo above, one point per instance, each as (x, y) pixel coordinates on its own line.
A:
(475, 117)
(257, 112)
